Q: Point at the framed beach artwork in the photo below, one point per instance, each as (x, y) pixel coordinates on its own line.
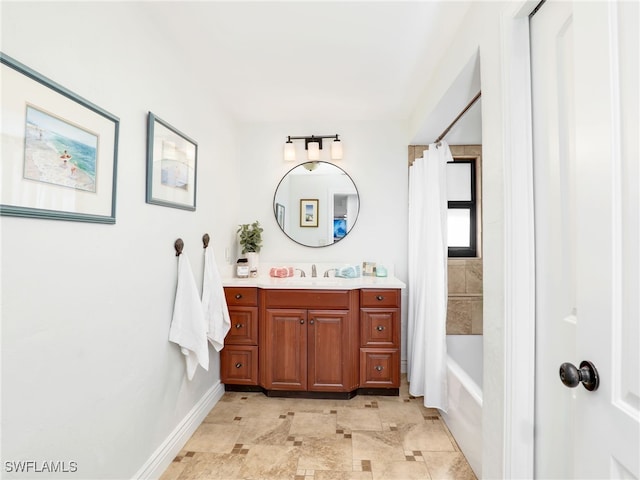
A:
(59, 151)
(308, 212)
(171, 166)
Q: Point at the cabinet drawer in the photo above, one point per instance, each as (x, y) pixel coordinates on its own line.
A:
(244, 326)
(379, 327)
(338, 299)
(376, 298)
(247, 296)
(379, 367)
(239, 365)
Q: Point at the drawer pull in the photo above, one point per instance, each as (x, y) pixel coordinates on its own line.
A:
(379, 298)
(239, 325)
(379, 368)
(238, 365)
(238, 296)
(380, 328)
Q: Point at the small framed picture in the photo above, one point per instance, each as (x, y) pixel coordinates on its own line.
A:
(171, 166)
(280, 214)
(309, 212)
(369, 269)
(59, 151)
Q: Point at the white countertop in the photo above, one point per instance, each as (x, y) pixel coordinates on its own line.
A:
(315, 283)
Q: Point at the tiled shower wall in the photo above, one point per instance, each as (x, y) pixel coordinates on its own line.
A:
(464, 309)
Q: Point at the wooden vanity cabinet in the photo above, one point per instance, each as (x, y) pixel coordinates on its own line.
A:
(239, 357)
(380, 338)
(309, 340)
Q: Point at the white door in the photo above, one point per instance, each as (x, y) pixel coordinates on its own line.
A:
(585, 84)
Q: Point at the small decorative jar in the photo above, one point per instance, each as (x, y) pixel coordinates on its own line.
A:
(242, 268)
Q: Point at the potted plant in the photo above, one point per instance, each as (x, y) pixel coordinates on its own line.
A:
(250, 236)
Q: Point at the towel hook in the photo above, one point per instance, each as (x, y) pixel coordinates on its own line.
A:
(178, 245)
(205, 240)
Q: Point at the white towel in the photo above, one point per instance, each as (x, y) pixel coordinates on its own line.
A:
(214, 303)
(188, 327)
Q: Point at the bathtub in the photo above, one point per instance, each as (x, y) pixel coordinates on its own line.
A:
(464, 417)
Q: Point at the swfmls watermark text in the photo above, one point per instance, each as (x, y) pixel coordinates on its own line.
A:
(40, 466)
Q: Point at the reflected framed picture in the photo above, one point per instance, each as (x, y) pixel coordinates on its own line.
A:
(280, 214)
(172, 160)
(59, 151)
(309, 212)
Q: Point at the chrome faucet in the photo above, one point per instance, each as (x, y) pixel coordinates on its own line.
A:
(313, 270)
(302, 274)
(326, 274)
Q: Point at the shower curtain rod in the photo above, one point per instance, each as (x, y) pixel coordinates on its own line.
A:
(469, 105)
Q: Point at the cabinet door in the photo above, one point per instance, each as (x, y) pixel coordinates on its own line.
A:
(330, 343)
(283, 349)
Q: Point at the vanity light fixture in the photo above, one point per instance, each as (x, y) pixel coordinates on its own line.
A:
(313, 145)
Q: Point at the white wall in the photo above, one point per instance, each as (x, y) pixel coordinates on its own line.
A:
(88, 374)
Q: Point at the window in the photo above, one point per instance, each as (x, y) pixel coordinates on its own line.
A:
(462, 208)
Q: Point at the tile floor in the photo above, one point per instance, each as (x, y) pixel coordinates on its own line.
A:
(252, 436)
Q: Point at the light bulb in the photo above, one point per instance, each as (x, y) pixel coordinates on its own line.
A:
(336, 150)
(289, 152)
(313, 151)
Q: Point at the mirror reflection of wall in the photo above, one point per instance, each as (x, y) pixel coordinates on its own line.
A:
(337, 203)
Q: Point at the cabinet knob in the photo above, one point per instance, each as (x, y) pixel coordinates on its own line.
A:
(238, 296)
(301, 322)
(239, 325)
(311, 321)
(238, 365)
(379, 368)
(380, 328)
(379, 298)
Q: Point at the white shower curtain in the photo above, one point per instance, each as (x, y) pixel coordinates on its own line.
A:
(427, 350)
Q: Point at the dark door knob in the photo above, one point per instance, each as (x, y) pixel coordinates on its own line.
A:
(586, 374)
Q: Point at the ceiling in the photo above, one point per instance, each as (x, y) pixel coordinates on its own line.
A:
(299, 61)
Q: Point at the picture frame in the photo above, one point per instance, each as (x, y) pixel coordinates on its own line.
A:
(172, 166)
(280, 212)
(59, 151)
(309, 212)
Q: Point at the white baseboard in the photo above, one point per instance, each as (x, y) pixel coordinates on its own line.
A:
(155, 466)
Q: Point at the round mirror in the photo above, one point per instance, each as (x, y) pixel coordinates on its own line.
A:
(316, 204)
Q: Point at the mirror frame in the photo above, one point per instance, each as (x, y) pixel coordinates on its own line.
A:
(275, 213)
